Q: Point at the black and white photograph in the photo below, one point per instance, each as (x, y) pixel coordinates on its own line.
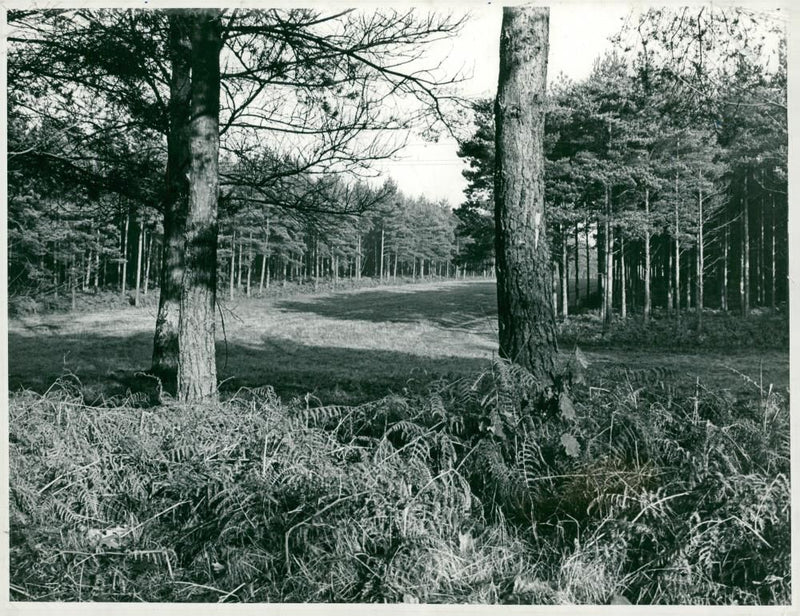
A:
(444, 303)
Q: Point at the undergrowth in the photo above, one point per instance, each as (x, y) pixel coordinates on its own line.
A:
(763, 329)
(478, 491)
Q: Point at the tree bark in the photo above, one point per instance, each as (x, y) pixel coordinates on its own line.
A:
(700, 260)
(577, 268)
(608, 282)
(525, 311)
(588, 261)
(249, 262)
(99, 248)
(232, 278)
(176, 203)
(564, 275)
(772, 260)
(149, 262)
(647, 298)
(382, 244)
(724, 293)
(623, 302)
(745, 273)
(197, 370)
(124, 276)
(137, 299)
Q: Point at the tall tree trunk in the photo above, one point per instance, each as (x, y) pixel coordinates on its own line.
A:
(647, 298)
(623, 304)
(72, 281)
(761, 259)
(137, 298)
(608, 289)
(588, 260)
(670, 277)
(564, 275)
(724, 293)
(358, 259)
(600, 246)
(249, 262)
(99, 248)
(232, 278)
(239, 278)
(87, 261)
(124, 277)
(677, 255)
(700, 260)
(149, 262)
(525, 311)
(197, 369)
(176, 202)
(577, 267)
(745, 275)
(772, 253)
(382, 244)
(264, 264)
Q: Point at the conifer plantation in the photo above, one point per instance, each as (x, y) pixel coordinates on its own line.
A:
(250, 362)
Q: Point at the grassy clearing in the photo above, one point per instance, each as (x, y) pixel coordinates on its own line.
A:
(352, 346)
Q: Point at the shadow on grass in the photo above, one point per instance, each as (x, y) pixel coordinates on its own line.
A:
(106, 365)
(469, 305)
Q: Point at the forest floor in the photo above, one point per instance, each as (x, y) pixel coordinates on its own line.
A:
(346, 347)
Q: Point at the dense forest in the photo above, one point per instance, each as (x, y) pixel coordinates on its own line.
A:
(676, 185)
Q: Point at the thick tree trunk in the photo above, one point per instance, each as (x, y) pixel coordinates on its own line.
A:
(197, 370)
(526, 320)
(176, 203)
(647, 299)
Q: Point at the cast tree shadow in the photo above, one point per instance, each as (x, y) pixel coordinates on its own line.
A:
(108, 366)
(468, 306)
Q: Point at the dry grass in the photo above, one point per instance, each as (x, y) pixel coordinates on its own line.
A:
(349, 346)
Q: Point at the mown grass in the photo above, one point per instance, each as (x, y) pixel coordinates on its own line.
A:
(476, 491)
(355, 346)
